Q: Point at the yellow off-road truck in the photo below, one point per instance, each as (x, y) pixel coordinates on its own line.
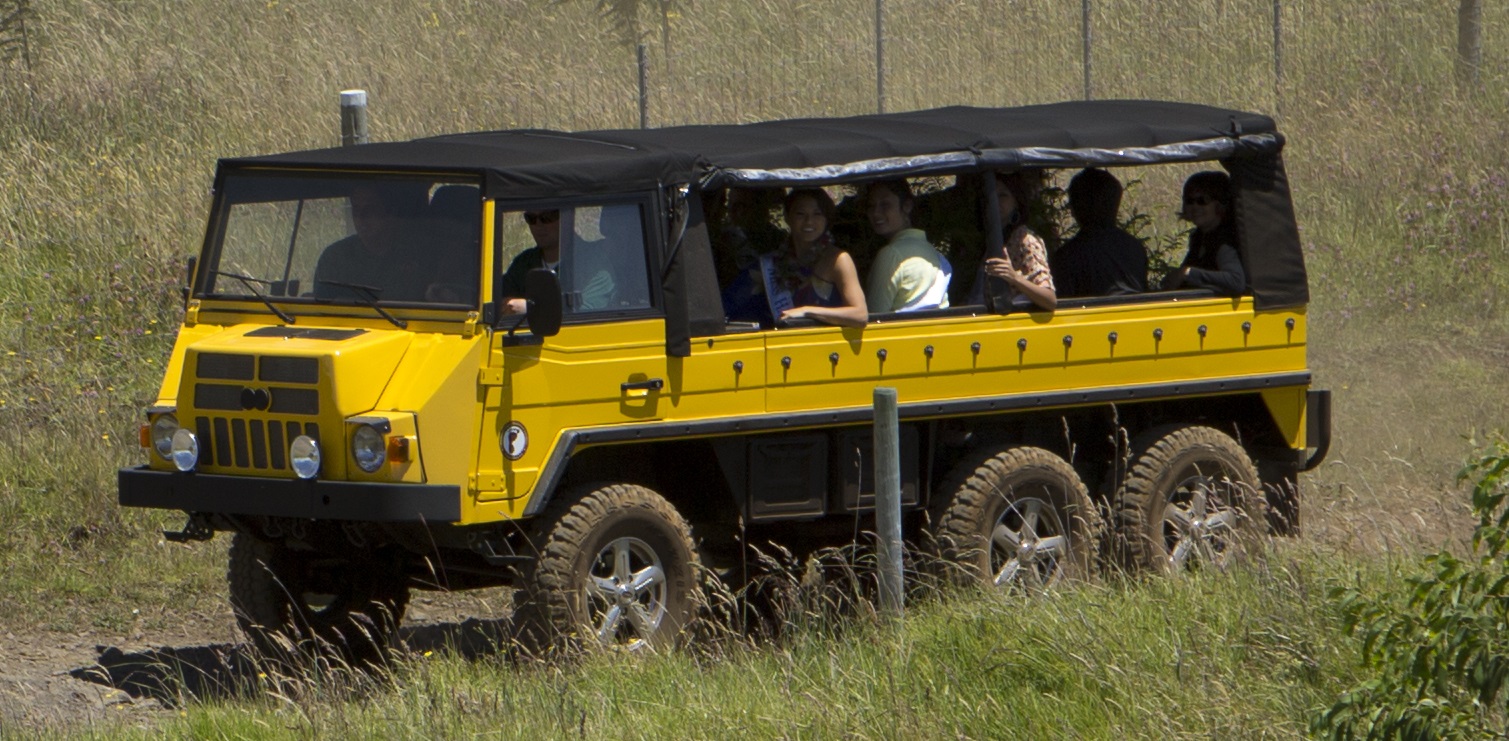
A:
(505, 358)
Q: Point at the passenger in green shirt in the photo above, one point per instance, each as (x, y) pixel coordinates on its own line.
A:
(908, 274)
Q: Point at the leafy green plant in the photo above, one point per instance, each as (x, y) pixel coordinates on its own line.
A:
(1438, 650)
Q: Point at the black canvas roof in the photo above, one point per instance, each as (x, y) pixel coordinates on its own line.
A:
(538, 163)
(527, 164)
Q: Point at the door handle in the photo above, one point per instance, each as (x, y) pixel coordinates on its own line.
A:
(654, 384)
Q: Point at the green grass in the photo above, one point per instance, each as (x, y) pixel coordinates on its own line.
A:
(107, 149)
(1251, 654)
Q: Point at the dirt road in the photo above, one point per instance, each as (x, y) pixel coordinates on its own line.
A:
(60, 681)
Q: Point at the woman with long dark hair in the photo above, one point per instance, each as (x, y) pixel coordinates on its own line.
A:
(1024, 265)
(810, 276)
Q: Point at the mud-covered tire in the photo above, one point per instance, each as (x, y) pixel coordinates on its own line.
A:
(616, 568)
(1191, 497)
(290, 601)
(1020, 517)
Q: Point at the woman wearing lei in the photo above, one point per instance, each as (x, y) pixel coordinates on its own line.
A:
(810, 276)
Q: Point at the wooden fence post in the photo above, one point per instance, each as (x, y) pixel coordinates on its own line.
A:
(888, 501)
(1469, 42)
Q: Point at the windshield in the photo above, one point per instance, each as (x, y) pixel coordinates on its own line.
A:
(346, 239)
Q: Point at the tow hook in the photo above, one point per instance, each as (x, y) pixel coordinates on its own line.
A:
(194, 529)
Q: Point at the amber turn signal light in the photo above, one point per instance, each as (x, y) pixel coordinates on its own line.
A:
(398, 449)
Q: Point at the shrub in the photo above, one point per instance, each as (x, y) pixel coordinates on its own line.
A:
(1438, 650)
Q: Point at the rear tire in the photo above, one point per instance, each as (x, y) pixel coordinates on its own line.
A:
(1018, 518)
(1191, 497)
(616, 569)
(290, 602)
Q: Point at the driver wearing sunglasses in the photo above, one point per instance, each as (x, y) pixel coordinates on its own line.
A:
(545, 227)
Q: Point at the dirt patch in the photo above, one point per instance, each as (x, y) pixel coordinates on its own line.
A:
(58, 681)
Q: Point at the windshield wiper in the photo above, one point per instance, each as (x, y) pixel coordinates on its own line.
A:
(368, 295)
(247, 281)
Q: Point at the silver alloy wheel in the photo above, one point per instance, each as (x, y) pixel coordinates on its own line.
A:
(1015, 518)
(1199, 523)
(1028, 545)
(1190, 498)
(626, 593)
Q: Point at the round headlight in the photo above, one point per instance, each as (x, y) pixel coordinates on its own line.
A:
(304, 453)
(184, 449)
(368, 448)
(163, 430)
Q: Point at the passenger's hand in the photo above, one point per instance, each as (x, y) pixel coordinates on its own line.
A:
(796, 312)
(1000, 267)
(1175, 279)
(515, 306)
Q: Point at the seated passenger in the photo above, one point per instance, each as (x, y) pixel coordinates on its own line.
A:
(908, 274)
(1102, 259)
(810, 277)
(1024, 266)
(1213, 261)
(622, 246)
(591, 287)
(740, 242)
(384, 254)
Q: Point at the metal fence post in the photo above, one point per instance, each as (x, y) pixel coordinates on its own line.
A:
(888, 500)
(644, 87)
(1084, 26)
(880, 56)
(1278, 59)
(353, 117)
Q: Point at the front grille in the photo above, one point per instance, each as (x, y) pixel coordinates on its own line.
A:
(249, 443)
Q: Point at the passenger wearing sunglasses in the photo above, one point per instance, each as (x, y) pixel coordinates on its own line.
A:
(545, 227)
(1213, 261)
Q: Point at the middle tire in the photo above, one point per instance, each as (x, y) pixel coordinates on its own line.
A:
(1018, 517)
(616, 568)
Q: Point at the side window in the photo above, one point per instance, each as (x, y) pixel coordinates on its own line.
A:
(603, 268)
(597, 250)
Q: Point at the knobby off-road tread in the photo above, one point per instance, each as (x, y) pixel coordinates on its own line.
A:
(267, 582)
(256, 598)
(553, 613)
(1140, 500)
(974, 489)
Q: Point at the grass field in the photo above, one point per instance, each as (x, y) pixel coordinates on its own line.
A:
(107, 147)
(1229, 656)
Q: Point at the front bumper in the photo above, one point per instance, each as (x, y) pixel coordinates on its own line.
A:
(312, 499)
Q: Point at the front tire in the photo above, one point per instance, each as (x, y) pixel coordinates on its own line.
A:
(616, 569)
(1019, 518)
(287, 600)
(1191, 497)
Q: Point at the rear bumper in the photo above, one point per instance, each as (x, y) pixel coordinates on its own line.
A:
(314, 499)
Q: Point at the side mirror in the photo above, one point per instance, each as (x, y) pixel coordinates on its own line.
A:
(542, 294)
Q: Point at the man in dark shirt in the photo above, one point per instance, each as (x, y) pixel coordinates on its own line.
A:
(384, 254)
(591, 287)
(545, 227)
(1102, 259)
